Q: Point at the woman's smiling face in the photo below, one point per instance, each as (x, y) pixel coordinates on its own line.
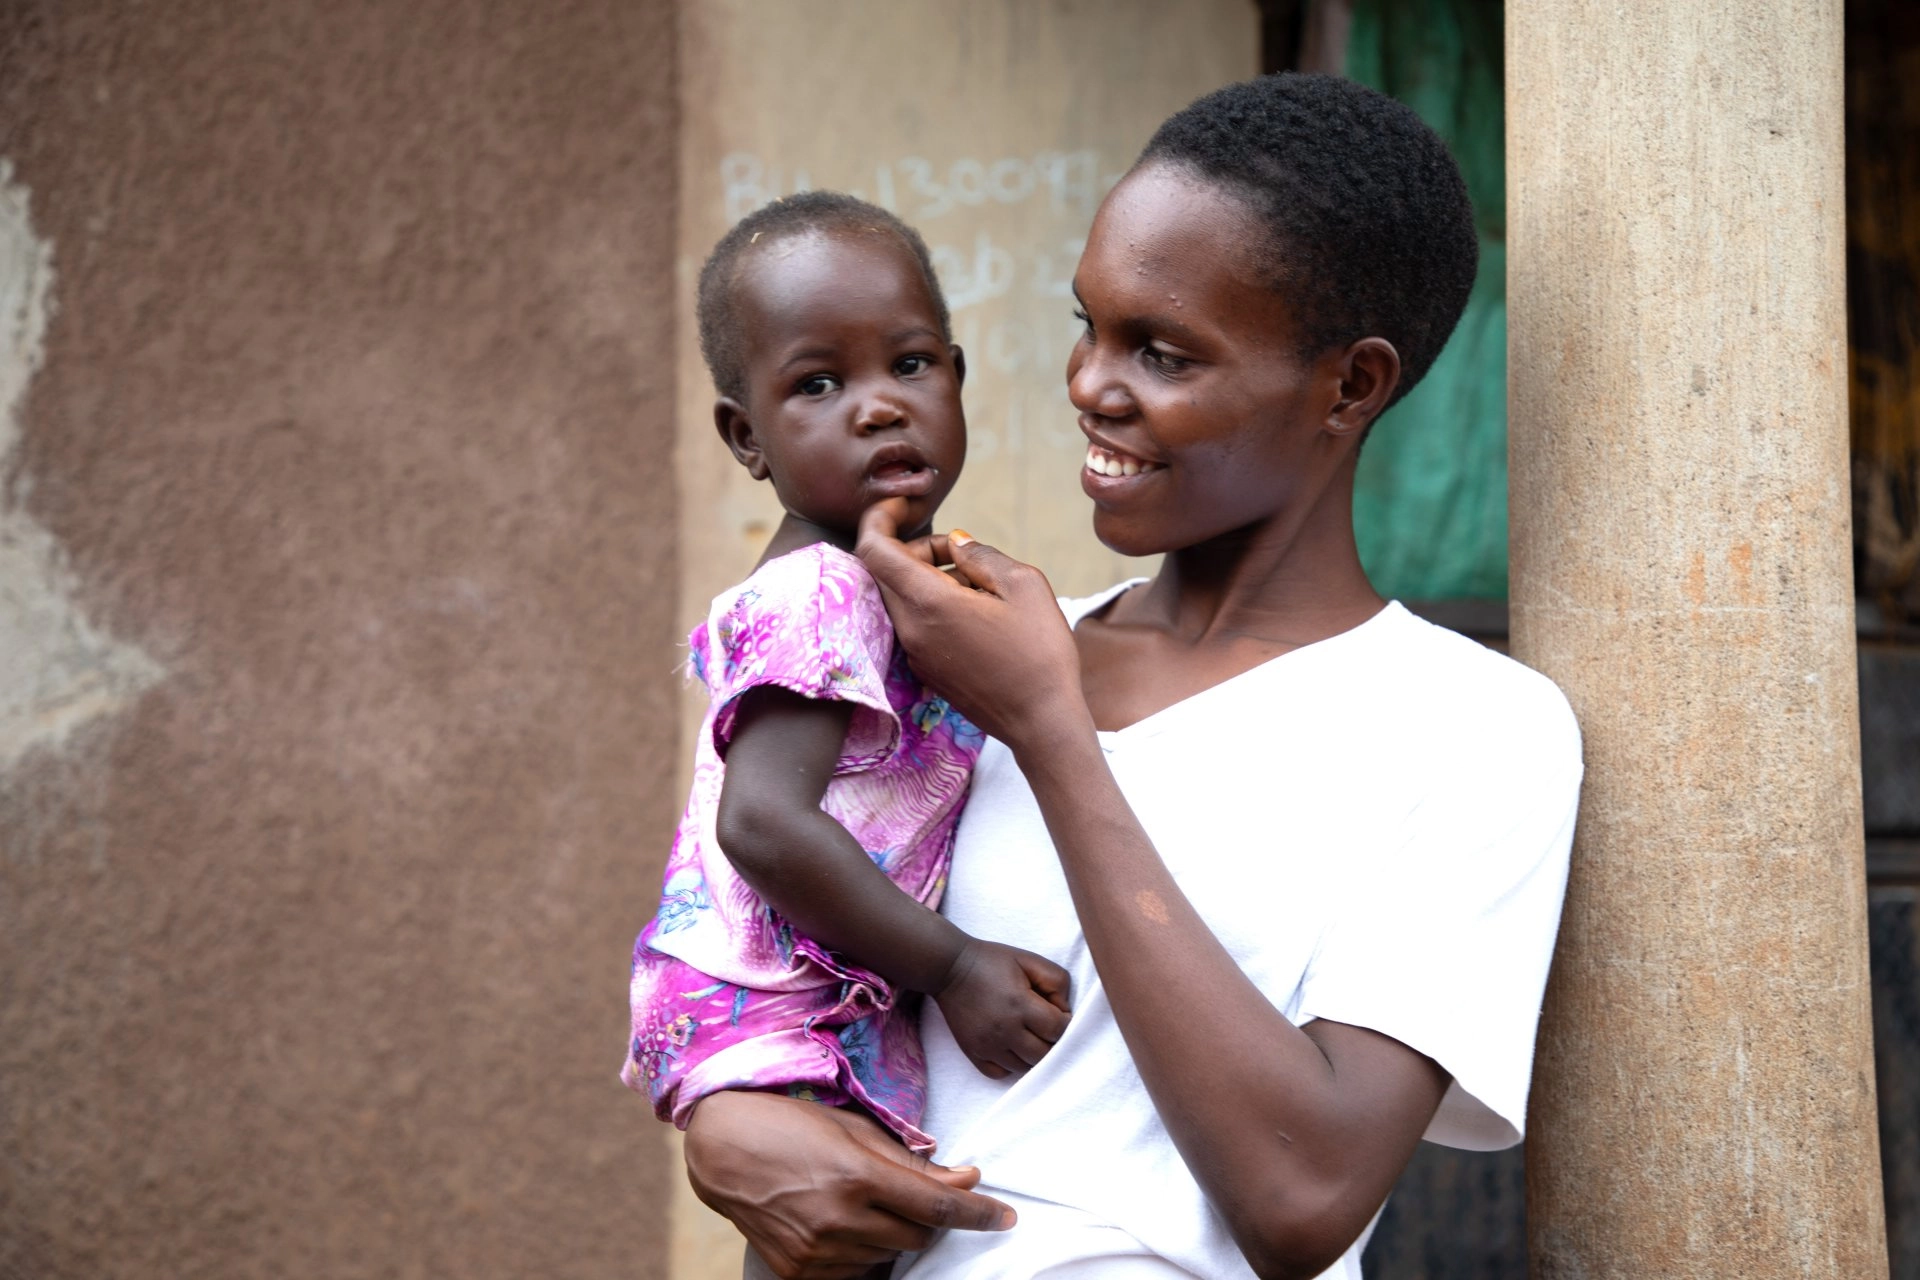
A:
(1189, 375)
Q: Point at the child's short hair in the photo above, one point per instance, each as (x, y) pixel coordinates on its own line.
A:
(1369, 225)
(794, 215)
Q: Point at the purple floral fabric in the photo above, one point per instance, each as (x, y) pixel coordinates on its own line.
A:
(725, 995)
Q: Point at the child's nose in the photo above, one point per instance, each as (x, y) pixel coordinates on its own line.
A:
(880, 411)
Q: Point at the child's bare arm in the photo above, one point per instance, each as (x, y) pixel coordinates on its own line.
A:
(1005, 1006)
(805, 864)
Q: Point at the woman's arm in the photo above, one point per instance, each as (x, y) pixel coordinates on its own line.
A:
(1296, 1135)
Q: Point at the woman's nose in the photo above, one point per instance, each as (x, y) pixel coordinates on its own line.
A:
(1094, 387)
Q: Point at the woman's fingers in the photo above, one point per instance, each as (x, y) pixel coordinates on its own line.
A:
(990, 569)
(885, 1234)
(920, 1199)
(964, 1177)
(820, 1193)
(940, 555)
(903, 572)
(882, 519)
(1000, 652)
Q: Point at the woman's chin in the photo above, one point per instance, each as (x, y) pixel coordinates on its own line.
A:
(1126, 537)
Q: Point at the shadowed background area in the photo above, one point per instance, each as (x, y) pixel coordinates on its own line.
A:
(336, 738)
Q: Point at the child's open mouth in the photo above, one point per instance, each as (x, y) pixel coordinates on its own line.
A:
(898, 472)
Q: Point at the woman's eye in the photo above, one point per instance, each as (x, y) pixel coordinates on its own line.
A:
(818, 385)
(910, 365)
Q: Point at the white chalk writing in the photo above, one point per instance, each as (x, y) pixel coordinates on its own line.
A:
(1072, 183)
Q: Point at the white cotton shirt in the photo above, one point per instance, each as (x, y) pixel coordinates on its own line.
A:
(1376, 827)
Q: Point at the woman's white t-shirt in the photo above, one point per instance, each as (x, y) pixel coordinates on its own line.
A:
(1377, 828)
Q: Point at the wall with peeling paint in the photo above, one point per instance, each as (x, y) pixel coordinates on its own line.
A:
(336, 615)
(59, 672)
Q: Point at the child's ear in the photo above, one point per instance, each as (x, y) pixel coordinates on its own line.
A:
(730, 416)
(959, 363)
(1368, 370)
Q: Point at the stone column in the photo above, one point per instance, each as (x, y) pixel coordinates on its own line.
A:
(1703, 1101)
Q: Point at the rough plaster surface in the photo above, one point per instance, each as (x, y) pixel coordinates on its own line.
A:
(355, 411)
(57, 672)
(1703, 1100)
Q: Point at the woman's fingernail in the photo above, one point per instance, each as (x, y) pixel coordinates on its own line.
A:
(959, 538)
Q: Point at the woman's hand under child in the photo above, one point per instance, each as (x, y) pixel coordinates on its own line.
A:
(823, 1193)
(1006, 1007)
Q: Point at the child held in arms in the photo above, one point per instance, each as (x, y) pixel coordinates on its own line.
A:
(798, 908)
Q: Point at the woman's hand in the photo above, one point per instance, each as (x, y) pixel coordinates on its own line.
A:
(822, 1193)
(989, 636)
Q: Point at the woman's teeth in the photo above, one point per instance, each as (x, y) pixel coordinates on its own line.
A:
(1104, 462)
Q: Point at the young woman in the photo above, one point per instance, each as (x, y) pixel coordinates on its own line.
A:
(1302, 853)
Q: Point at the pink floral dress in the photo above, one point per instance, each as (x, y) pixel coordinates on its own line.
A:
(725, 995)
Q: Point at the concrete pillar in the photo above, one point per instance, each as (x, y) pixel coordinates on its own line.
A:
(1703, 1101)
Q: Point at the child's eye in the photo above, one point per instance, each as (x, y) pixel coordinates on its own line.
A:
(1080, 314)
(1165, 361)
(817, 385)
(910, 365)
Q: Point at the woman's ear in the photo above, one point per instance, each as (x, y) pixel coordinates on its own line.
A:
(730, 416)
(1369, 371)
(959, 363)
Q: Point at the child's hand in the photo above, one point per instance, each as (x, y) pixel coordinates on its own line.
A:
(1005, 1006)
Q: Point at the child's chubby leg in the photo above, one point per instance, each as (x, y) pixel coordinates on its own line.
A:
(836, 1041)
(695, 1034)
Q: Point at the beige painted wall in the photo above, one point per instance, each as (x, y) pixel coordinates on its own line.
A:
(993, 126)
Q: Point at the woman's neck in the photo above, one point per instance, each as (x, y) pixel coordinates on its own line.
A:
(1292, 581)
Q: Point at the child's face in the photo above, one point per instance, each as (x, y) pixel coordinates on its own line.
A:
(852, 394)
(1189, 371)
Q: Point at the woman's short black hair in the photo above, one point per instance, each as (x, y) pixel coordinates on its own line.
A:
(794, 215)
(1369, 226)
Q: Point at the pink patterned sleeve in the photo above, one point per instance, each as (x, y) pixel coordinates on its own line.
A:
(811, 621)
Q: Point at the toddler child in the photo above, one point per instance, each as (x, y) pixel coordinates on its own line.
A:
(798, 905)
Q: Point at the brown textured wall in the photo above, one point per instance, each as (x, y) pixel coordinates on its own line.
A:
(355, 417)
